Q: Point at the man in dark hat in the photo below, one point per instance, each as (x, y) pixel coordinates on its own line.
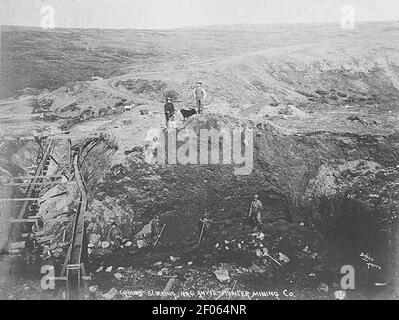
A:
(156, 230)
(204, 226)
(169, 109)
(156, 226)
(114, 238)
(254, 216)
(199, 95)
(114, 232)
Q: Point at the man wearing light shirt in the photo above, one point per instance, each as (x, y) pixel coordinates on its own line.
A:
(199, 95)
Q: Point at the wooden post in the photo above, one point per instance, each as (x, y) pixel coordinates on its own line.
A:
(395, 258)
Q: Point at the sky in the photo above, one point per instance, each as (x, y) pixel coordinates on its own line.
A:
(163, 14)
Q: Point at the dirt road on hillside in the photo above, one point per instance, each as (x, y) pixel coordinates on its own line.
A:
(108, 85)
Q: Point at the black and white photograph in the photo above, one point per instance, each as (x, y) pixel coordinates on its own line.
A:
(217, 151)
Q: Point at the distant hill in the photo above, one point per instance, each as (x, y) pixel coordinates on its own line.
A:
(33, 59)
(37, 59)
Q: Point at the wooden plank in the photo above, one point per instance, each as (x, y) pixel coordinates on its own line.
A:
(35, 177)
(75, 249)
(77, 137)
(18, 115)
(24, 184)
(23, 210)
(52, 137)
(42, 240)
(17, 245)
(19, 220)
(57, 278)
(22, 199)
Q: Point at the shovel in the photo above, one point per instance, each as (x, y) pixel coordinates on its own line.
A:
(204, 221)
(159, 235)
(268, 255)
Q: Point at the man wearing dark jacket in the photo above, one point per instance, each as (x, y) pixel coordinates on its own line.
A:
(169, 109)
(156, 230)
(254, 216)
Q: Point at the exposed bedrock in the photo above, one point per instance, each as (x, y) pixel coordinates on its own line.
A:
(320, 179)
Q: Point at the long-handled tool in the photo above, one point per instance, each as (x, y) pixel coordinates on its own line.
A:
(202, 231)
(247, 218)
(204, 221)
(159, 235)
(268, 255)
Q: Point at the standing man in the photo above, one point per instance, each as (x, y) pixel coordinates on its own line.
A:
(114, 232)
(38, 225)
(156, 226)
(204, 226)
(35, 227)
(169, 109)
(199, 95)
(255, 213)
(156, 230)
(114, 236)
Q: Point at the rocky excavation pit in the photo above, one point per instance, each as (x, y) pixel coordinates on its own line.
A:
(329, 198)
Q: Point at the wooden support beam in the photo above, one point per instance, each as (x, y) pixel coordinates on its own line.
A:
(18, 221)
(52, 137)
(19, 115)
(35, 177)
(30, 191)
(58, 195)
(24, 184)
(57, 278)
(62, 167)
(71, 137)
(22, 199)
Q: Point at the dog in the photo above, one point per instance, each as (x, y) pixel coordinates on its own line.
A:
(87, 114)
(188, 113)
(128, 108)
(103, 112)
